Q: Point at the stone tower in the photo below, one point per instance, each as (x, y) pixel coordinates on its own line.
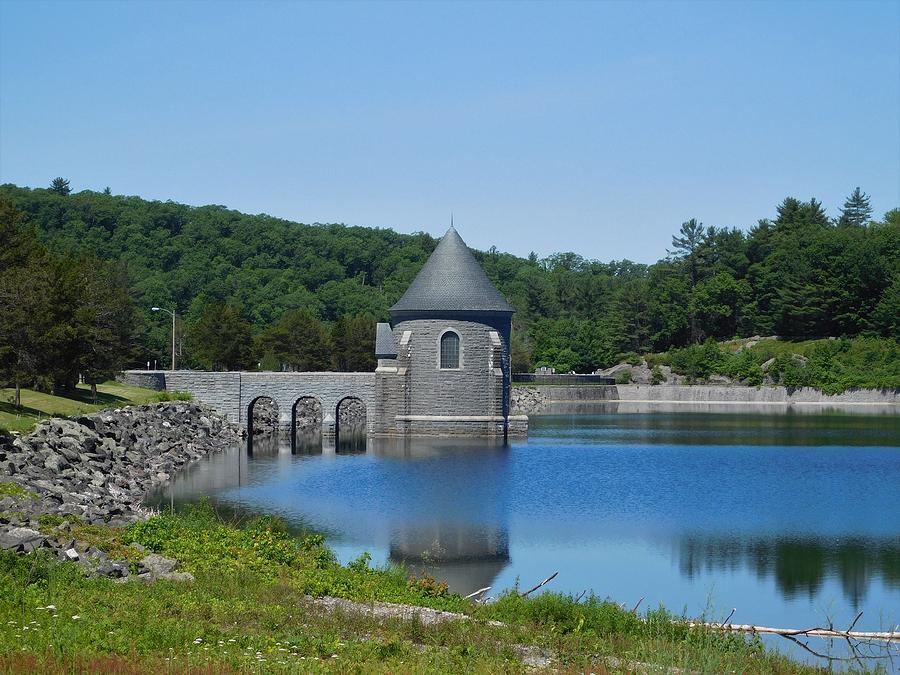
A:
(443, 360)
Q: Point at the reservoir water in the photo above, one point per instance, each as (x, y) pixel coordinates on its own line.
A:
(794, 520)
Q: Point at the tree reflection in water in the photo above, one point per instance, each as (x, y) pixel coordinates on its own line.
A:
(799, 565)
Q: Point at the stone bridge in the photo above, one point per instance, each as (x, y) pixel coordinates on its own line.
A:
(233, 393)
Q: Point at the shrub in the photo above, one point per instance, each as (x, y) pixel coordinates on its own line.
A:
(656, 375)
(698, 362)
(624, 377)
(632, 359)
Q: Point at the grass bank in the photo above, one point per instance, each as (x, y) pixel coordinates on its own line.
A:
(249, 610)
(37, 406)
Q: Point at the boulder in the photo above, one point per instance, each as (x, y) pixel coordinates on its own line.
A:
(157, 565)
(21, 539)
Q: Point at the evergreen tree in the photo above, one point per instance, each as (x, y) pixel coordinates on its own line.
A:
(27, 323)
(299, 341)
(106, 323)
(353, 343)
(60, 186)
(687, 247)
(221, 340)
(856, 211)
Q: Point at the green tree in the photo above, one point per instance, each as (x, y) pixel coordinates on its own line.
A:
(856, 211)
(717, 303)
(221, 339)
(60, 186)
(106, 323)
(24, 293)
(686, 246)
(353, 344)
(886, 317)
(299, 341)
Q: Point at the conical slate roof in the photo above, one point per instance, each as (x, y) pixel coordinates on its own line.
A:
(452, 281)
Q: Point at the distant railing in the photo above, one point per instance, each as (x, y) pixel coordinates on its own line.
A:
(560, 378)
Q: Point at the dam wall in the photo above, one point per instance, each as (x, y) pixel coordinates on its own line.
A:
(697, 398)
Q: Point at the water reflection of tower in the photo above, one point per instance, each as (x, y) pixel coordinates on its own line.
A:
(452, 509)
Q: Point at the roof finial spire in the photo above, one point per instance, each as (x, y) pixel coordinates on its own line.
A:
(451, 220)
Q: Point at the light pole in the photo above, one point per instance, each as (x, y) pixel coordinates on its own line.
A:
(163, 309)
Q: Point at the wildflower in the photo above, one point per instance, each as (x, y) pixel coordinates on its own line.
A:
(75, 617)
(52, 608)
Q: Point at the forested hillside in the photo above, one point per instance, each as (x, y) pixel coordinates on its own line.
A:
(254, 288)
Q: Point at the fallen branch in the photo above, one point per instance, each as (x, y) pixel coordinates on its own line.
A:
(891, 636)
(545, 581)
(480, 591)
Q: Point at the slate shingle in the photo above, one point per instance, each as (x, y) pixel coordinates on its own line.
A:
(452, 281)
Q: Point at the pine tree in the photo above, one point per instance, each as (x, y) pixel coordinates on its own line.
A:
(856, 211)
(60, 186)
(221, 340)
(687, 247)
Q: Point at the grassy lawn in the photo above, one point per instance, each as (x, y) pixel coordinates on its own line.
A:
(37, 406)
(249, 611)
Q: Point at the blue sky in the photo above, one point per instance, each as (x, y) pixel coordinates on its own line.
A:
(593, 127)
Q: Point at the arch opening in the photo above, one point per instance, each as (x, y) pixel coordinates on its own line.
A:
(306, 426)
(262, 419)
(350, 425)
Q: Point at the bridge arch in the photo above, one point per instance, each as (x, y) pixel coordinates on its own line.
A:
(262, 415)
(350, 424)
(306, 424)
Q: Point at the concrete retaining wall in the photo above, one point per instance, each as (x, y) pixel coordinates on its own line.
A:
(723, 394)
(705, 398)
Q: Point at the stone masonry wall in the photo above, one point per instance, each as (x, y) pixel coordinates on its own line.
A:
(232, 393)
(473, 389)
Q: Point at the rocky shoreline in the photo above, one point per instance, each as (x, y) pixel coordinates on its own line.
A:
(97, 469)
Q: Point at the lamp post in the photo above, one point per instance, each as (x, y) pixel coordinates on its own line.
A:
(163, 309)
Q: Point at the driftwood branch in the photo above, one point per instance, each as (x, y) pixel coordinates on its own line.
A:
(888, 636)
(637, 604)
(544, 582)
(854, 622)
(733, 610)
(480, 591)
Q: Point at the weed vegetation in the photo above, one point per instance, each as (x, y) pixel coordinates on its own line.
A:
(249, 610)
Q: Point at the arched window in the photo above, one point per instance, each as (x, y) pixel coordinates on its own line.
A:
(449, 350)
